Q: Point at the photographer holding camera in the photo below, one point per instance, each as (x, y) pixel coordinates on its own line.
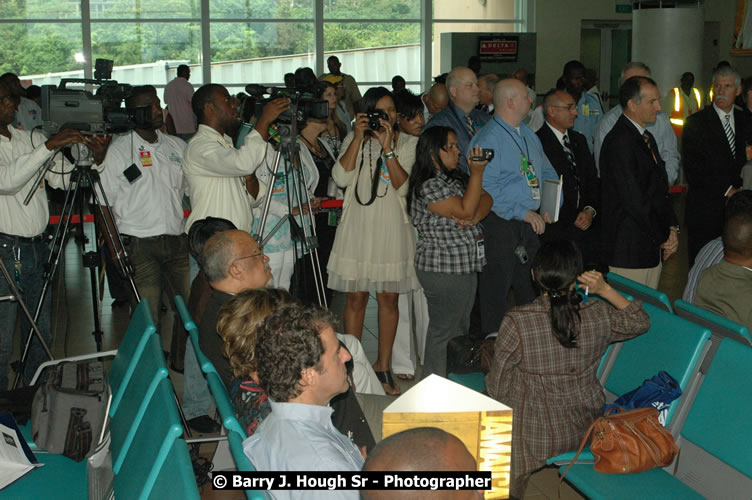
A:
(221, 178)
(445, 206)
(23, 238)
(374, 244)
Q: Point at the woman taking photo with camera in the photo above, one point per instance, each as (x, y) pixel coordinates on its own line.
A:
(445, 207)
(374, 244)
(547, 354)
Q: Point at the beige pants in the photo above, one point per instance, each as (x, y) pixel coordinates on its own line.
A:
(649, 276)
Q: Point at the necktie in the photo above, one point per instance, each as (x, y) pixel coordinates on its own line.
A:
(650, 141)
(729, 133)
(470, 126)
(572, 165)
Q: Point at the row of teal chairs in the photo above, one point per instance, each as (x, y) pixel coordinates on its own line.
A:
(235, 432)
(147, 457)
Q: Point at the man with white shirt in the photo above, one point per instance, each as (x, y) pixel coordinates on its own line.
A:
(144, 183)
(301, 364)
(661, 129)
(714, 140)
(24, 242)
(220, 177)
(639, 225)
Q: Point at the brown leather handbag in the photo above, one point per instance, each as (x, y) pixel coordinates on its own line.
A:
(629, 441)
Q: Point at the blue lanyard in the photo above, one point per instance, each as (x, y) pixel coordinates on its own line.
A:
(525, 153)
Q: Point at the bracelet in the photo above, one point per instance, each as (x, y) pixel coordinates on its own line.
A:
(390, 154)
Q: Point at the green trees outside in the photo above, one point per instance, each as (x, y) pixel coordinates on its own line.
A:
(33, 48)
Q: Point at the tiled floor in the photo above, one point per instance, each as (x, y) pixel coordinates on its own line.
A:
(74, 324)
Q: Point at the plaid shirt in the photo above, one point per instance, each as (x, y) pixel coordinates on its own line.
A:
(443, 247)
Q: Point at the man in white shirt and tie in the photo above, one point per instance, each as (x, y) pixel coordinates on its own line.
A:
(715, 142)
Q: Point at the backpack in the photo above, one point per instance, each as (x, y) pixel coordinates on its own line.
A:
(69, 408)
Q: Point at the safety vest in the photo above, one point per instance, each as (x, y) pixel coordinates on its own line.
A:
(679, 111)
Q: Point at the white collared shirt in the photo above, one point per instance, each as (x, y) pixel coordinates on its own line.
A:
(640, 128)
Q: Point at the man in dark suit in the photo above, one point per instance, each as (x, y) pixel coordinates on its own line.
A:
(568, 152)
(714, 143)
(639, 224)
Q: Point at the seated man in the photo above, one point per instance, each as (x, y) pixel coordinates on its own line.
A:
(301, 364)
(712, 253)
(726, 287)
(420, 449)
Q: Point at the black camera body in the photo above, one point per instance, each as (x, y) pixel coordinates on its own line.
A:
(373, 119)
(302, 106)
(485, 155)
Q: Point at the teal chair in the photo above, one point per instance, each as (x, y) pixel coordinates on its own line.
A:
(474, 380)
(672, 344)
(224, 405)
(61, 478)
(157, 432)
(192, 329)
(718, 325)
(150, 370)
(241, 460)
(714, 461)
(639, 291)
(176, 479)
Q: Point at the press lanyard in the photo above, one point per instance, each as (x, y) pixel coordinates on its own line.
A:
(526, 167)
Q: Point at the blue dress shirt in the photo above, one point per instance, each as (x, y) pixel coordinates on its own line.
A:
(300, 437)
(503, 179)
(589, 113)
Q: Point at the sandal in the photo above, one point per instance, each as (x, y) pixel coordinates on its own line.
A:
(387, 381)
(405, 376)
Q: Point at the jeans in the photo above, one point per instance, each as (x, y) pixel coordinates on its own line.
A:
(450, 299)
(33, 258)
(196, 396)
(161, 265)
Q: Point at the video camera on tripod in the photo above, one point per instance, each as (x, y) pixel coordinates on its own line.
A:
(100, 112)
(302, 106)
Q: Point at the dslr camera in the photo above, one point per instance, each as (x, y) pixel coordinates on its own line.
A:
(373, 119)
(485, 155)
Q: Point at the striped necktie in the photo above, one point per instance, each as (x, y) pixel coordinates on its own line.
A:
(572, 165)
(650, 141)
(729, 133)
(470, 125)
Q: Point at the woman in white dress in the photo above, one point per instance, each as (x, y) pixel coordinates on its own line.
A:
(374, 246)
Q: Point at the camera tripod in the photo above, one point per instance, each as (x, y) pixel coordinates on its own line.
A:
(83, 178)
(294, 176)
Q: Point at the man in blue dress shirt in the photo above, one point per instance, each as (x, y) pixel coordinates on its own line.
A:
(514, 179)
(302, 367)
(461, 115)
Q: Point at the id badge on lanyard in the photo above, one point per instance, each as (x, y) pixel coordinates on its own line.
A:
(480, 247)
(526, 168)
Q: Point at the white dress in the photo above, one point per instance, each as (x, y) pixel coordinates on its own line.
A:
(374, 246)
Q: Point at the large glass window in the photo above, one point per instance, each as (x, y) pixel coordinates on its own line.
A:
(145, 9)
(37, 48)
(372, 9)
(261, 9)
(40, 9)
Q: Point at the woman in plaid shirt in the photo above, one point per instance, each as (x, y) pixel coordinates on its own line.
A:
(547, 354)
(445, 206)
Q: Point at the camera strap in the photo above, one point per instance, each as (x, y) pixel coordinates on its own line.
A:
(374, 180)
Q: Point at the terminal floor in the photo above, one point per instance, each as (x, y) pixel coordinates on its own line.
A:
(73, 324)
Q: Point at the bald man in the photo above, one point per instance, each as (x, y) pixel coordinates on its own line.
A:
(513, 179)
(434, 101)
(420, 449)
(461, 115)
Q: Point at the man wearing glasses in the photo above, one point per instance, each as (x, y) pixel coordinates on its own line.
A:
(233, 263)
(569, 155)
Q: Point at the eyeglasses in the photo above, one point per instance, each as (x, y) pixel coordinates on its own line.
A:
(253, 256)
(570, 107)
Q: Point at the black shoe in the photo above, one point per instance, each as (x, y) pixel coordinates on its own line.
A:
(119, 302)
(204, 424)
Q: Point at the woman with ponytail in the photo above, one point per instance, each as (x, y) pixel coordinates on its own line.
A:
(547, 354)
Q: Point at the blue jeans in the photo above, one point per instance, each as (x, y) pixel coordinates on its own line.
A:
(33, 257)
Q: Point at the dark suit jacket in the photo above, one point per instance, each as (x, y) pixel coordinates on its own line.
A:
(636, 212)
(588, 175)
(711, 167)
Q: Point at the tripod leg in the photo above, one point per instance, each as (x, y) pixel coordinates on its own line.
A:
(58, 244)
